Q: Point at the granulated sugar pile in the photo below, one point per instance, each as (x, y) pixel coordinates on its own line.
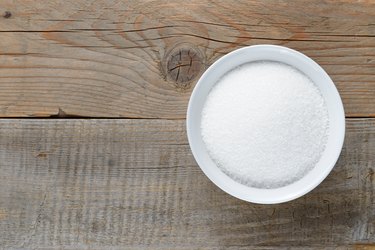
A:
(265, 124)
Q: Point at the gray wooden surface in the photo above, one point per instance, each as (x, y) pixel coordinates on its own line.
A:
(96, 184)
(130, 181)
(111, 58)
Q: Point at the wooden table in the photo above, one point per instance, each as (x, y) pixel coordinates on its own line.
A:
(93, 147)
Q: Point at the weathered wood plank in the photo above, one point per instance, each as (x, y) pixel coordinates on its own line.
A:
(112, 58)
(95, 184)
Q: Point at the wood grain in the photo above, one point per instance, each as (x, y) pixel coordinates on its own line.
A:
(110, 58)
(115, 184)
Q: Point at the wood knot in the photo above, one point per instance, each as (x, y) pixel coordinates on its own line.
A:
(182, 65)
(7, 14)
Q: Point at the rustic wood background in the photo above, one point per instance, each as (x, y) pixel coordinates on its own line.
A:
(93, 147)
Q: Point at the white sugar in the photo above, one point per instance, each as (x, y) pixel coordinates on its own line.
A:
(265, 124)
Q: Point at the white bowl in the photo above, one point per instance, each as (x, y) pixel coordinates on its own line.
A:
(335, 112)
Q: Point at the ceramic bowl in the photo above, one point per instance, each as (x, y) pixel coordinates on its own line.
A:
(335, 112)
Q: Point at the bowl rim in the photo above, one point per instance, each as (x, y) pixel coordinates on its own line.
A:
(315, 182)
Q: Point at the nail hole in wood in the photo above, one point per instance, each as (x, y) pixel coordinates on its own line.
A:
(7, 14)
